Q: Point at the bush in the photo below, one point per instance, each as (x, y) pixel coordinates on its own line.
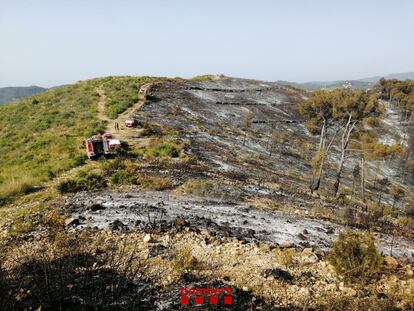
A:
(155, 183)
(164, 150)
(183, 258)
(355, 255)
(84, 181)
(121, 177)
(160, 149)
(66, 186)
(409, 210)
(212, 189)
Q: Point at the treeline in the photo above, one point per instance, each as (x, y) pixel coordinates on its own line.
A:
(400, 96)
(349, 121)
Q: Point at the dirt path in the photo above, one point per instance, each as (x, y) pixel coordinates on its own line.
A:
(124, 133)
(130, 135)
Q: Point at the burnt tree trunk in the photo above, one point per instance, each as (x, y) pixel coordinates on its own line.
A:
(344, 145)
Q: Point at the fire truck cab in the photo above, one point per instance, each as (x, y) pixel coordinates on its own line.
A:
(101, 145)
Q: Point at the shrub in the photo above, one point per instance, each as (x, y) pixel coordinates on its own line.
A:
(409, 210)
(211, 189)
(121, 177)
(183, 258)
(160, 149)
(286, 257)
(84, 181)
(355, 255)
(164, 150)
(66, 186)
(155, 183)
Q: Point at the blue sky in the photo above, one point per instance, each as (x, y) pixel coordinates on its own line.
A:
(49, 42)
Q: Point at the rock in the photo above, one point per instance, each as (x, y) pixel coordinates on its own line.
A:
(117, 225)
(250, 232)
(330, 230)
(390, 262)
(305, 231)
(71, 221)
(308, 257)
(180, 222)
(157, 249)
(148, 238)
(307, 275)
(277, 273)
(301, 236)
(96, 207)
(286, 245)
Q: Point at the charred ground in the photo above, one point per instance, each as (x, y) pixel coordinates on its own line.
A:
(214, 188)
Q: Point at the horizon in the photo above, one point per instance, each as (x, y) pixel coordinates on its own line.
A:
(50, 44)
(310, 81)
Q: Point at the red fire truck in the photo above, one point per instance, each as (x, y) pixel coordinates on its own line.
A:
(101, 145)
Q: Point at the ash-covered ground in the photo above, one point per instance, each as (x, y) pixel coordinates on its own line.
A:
(161, 211)
(266, 161)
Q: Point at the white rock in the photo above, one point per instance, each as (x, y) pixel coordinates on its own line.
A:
(147, 238)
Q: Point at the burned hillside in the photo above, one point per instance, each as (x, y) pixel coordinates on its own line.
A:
(212, 184)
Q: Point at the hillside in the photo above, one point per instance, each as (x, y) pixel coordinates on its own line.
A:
(210, 189)
(8, 94)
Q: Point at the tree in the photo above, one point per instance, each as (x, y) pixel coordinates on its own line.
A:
(338, 111)
(350, 109)
(317, 112)
(368, 147)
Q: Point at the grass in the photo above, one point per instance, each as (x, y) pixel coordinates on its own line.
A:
(161, 148)
(155, 182)
(41, 136)
(122, 92)
(214, 190)
(83, 181)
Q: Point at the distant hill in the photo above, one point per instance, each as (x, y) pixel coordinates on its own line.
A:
(363, 83)
(11, 93)
(398, 76)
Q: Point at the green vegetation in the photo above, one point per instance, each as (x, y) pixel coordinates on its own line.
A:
(340, 111)
(121, 177)
(400, 95)
(212, 189)
(122, 92)
(207, 77)
(155, 183)
(83, 181)
(355, 256)
(160, 148)
(41, 136)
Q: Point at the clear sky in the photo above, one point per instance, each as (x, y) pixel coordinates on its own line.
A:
(50, 42)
